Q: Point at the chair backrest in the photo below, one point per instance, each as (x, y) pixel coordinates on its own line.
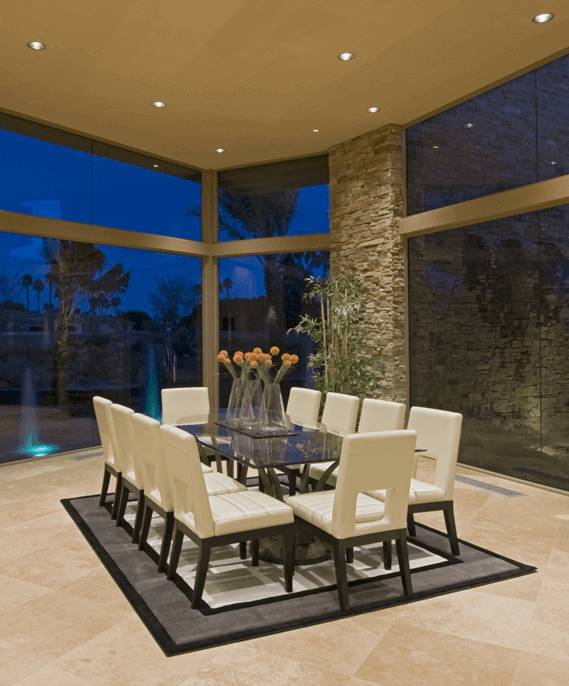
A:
(148, 448)
(102, 408)
(185, 405)
(303, 406)
(381, 415)
(370, 462)
(187, 483)
(124, 444)
(340, 413)
(438, 432)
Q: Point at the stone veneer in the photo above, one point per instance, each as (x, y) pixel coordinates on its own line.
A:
(366, 186)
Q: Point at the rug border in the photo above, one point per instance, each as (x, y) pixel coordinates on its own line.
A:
(170, 648)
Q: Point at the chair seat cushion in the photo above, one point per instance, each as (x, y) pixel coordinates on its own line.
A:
(317, 469)
(419, 492)
(218, 483)
(206, 469)
(316, 508)
(245, 510)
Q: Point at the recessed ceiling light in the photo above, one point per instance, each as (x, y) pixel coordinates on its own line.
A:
(155, 166)
(469, 125)
(316, 130)
(346, 56)
(36, 45)
(159, 104)
(373, 110)
(553, 162)
(435, 147)
(220, 151)
(542, 18)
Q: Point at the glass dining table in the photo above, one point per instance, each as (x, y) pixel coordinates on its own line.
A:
(291, 454)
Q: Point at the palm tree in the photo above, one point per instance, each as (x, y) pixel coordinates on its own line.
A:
(51, 282)
(27, 281)
(226, 286)
(38, 288)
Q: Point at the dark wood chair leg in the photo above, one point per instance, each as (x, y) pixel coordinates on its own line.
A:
(201, 573)
(341, 576)
(229, 468)
(138, 518)
(255, 552)
(411, 524)
(122, 505)
(288, 559)
(104, 487)
(145, 528)
(448, 511)
(403, 557)
(291, 475)
(349, 555)
(218, 464)
(176, 551)
(166, 540)
(116, 501)
(387, 554)
(243, 550)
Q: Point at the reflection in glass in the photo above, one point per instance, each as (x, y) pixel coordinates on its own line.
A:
(77, 319)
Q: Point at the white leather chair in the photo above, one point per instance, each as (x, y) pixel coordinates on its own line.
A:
(438, 432)
(376, 415)
(340, 413)
(131, 466)
(190, 405)
(346, 516)
(216, 520)
(157, 492)
(102, 408)
(303, 406)
(185, 405)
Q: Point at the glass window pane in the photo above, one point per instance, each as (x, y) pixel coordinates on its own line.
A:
(484, 145)
(280, 199)
(51, 173)
(260, 299)
(44, 179)
(552, 119)
(130, 192)
(489, 324)
(79, 319)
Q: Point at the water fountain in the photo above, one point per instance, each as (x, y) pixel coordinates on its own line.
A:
(30, 444)
(152, 388)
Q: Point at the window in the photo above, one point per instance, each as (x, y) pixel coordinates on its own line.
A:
(489, 324)
(281, 199)
(50, 173)
(513, 135)
(260, 299)
(79, 319)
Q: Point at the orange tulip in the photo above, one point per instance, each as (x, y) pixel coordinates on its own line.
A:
(257, 351)
(275, 350)
(248, 356)
(294, 359)
(254, 364)
(239, 353)
(237, 357)
(221, 358)
(287, 364)
(285, 357)
(224, 353)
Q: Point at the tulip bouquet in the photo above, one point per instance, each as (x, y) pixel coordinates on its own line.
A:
(264, 365)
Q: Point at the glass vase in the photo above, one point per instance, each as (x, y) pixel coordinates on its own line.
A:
(251, 404)
(232, 416)
(273, 411)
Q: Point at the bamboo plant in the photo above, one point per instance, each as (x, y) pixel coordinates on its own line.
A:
(342, 361)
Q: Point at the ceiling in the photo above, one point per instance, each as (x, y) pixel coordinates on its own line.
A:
(257, 76)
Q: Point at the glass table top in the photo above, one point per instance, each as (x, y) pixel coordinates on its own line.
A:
(305, 446)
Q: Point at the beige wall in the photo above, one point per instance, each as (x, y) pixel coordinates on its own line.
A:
(367, 198)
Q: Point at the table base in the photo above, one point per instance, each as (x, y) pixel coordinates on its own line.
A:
(308, 550)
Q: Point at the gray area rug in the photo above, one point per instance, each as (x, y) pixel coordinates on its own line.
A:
(243, 602)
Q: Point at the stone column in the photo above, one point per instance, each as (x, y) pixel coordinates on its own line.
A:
(366, 185)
